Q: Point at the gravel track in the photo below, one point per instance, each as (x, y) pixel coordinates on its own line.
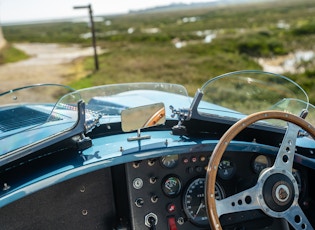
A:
(49, 63)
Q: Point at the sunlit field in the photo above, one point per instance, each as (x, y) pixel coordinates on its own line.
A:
(191, 46)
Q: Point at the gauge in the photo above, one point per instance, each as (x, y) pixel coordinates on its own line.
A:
(169, 161)
(297, 175)
(194, 201)
(226, 169)
(261, 162)
(171, 186)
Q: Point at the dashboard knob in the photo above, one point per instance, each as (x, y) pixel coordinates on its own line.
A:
(153, 180)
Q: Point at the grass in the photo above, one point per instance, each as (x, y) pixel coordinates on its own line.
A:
(182, 66)
(11, 54)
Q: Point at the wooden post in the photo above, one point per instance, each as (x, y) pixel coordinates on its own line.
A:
(92, 32)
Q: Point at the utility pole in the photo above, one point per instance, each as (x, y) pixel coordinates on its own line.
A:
(92, 31)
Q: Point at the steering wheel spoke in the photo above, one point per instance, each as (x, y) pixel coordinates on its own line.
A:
(285, 156)
(243, 201)
(297, 218)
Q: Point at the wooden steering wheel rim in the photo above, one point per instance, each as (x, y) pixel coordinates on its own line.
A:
(223, 143)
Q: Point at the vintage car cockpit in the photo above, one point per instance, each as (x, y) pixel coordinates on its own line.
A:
(237, 155)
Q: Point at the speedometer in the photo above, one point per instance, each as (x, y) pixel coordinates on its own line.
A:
(194, 201)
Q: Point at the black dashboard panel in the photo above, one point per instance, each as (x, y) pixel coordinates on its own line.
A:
(81, 203)
(170, 190)
(157, 185)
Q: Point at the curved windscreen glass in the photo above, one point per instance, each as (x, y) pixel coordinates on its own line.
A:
(110, 100)
(33, 113)
(241, 93)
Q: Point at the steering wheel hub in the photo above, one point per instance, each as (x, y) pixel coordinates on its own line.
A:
(278, 192)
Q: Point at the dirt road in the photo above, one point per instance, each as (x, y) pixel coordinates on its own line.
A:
(49, 63)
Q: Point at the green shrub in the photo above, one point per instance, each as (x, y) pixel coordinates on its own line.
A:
(305, 29)
(258, 45)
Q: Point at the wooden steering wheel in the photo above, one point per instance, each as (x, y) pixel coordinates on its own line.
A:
(276, 192)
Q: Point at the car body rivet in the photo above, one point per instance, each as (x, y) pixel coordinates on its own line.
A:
(82, 189)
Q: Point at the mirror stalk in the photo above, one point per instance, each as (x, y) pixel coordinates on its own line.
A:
(138, 137)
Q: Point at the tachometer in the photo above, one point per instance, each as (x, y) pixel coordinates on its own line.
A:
(194, 201)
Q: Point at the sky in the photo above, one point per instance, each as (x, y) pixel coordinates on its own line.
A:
(34, 10)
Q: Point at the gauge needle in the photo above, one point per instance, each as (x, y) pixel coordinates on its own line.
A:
(199, 208)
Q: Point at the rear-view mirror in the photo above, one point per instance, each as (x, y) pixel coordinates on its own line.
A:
(142, 117)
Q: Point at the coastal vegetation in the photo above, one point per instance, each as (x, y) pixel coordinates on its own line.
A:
(187, 46)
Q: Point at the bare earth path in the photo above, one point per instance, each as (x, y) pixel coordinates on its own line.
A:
(49, 63)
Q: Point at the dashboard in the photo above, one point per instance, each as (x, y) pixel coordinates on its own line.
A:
(169, 190)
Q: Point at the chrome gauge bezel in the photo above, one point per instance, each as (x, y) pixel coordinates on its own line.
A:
(171, 185)
(194, 201)
(169, 161)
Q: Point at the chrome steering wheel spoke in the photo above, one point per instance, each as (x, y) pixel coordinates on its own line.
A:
(243, 201)
(296, 217)
(285, 156)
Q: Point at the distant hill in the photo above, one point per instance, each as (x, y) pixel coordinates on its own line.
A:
(183, 6)
(170, 7)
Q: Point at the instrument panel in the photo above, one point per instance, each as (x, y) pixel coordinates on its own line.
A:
(170, 189)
